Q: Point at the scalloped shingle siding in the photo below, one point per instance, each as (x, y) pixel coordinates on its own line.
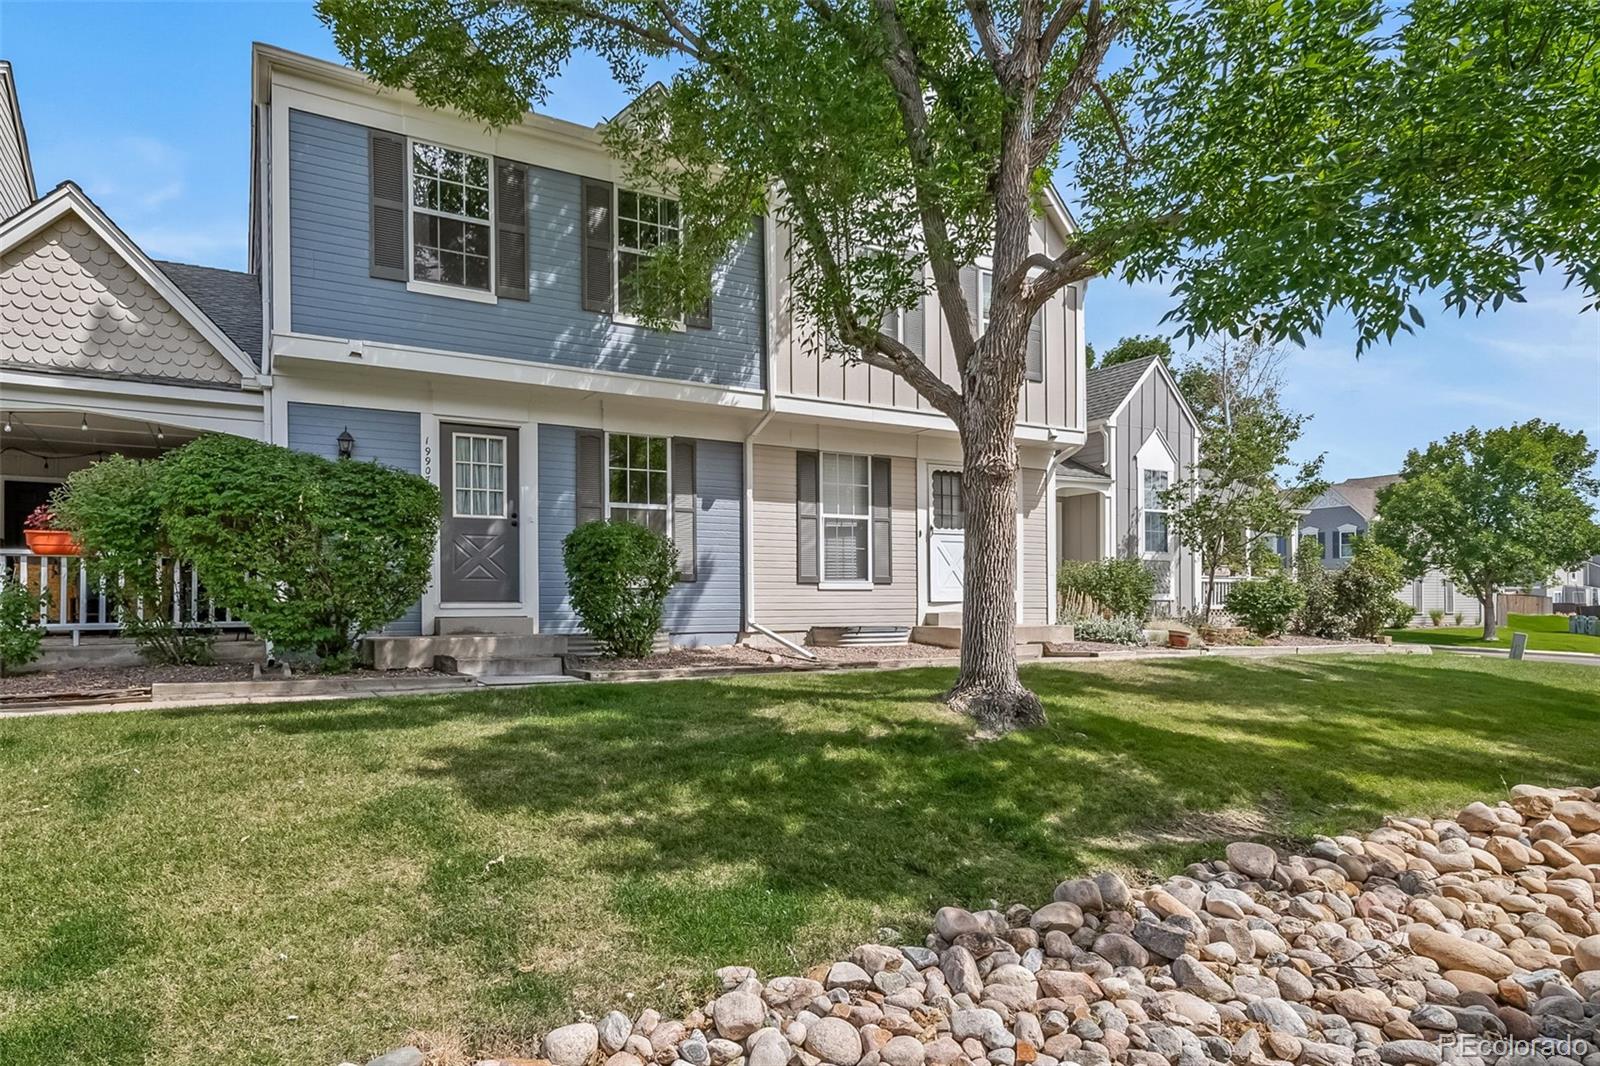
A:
(69, 303)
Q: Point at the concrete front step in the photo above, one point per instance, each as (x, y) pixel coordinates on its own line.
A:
(419, 653)
(500, 666)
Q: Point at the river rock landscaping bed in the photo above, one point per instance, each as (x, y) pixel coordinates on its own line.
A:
(1469, 939)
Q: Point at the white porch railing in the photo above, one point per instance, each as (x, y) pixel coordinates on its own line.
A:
(1223, 585)
(75, 604)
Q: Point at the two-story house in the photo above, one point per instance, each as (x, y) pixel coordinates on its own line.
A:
(1343, 513)
(452, 300)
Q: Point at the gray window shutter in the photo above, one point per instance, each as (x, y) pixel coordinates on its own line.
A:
(511, 230)
(683, 506)
(882, 531)
(914, 338)
(1036, 347)
(591, 476)
(597, 247)
(386, 166)
(969, 290)
(808, 517)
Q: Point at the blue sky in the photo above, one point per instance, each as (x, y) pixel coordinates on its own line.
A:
(146, 105)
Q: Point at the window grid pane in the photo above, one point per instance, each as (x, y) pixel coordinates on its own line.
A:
(636, 479)
(450, 216)
(644, 223)
(480, 476)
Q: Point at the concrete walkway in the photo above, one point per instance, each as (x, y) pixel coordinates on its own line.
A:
(1581, 658)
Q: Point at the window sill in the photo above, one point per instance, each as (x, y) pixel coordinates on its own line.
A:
(845, 586)
(629, 320)
(454, 292)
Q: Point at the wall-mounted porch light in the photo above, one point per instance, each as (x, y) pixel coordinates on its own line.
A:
(347, 444)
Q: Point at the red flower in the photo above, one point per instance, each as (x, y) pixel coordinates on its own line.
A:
(43, 517)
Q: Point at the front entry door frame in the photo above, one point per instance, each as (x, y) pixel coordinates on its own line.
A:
(931, 539)
(480, 545)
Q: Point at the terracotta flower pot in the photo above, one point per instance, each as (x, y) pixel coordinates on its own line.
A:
(1177, 639)
(50, 542)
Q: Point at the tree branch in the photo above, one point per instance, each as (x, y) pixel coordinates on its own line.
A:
(1097, 37)
(988, 36)
(1116, 121)
(886, 353)
(1059, 21)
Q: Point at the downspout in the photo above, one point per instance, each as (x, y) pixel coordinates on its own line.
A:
(768, 409)
(1053, 549)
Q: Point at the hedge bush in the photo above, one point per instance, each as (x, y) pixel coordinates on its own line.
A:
(1365, 590)
(113, 509)
(1119, 629)
(1266, 605)
(618, 577)
(1117, 587)
(310, 552)
(1319, 614)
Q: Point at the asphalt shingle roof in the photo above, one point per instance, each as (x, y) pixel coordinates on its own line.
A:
(1361, 493)
(229, 298)
(1109, 386)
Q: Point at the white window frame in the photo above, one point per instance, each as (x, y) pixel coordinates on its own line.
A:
(618, 314)
(1347, 535)
(505, 474)
(985, 298)
(823, 514)
(442, 288)
(663, 507)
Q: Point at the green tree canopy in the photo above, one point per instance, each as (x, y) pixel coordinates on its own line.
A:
(1271, 163)
(1495, 507)
(1137, 346)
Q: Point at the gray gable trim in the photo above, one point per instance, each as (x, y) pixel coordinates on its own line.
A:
(229, 298)
(17, 186)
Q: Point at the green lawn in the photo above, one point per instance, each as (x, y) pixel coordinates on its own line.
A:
(305, 883)
(1546, 632)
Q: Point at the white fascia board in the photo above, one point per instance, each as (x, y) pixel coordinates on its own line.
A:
(211, 410)
(69, 199)
(299, 346)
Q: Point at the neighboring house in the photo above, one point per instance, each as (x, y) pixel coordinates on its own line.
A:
(1343, 513)
(1579, 585)
(455, 298)
(1142, 439)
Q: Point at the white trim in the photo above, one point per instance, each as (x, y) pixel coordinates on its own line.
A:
(618, 315)
(605, 488)
(68, 198)
(444, 288)
(1338, 546)
(454, 292)
(842, 584)
(505, 371)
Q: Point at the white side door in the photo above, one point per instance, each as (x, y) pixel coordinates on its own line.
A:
(947, 537)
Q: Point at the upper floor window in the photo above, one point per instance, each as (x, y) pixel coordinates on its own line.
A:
(846, 517)
(645, 222)
(1155, 510)
(1347, 542)
(450, 220)
(636, 480)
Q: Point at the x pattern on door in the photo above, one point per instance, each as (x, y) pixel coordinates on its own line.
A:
(478, 557)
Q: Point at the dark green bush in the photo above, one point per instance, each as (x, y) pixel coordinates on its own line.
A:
(1114, 587)
(113, 509)
(618, 577)
(1319, 614)
(1266, 605)
(311, 553)
(1403, 613)
(20, 631)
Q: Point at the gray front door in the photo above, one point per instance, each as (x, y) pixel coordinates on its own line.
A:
(479, 549)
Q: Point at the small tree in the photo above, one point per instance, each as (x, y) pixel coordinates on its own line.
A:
(1492, 508)
(1236, 487)
(113, 509)
(1364, 591)
(311, 553)
(618, 577)
(1319, 615)
(1266, 604)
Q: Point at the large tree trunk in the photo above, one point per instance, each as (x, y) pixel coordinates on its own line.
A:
(1491, 623)
(988, 687)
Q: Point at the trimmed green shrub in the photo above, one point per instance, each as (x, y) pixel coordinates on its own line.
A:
(1403, 613)
(113, 509)
(1267, 604)
(20, 631)
(618, 577)
(1436, 616)
(1114, 587)
(311, 553)
(1365, 590)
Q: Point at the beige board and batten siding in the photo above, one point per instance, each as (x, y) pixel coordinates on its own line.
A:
(1033, 502)
(801, 369)
(70, 304)
(785, 605)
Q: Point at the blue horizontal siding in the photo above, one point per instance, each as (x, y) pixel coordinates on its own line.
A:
(393, 438)
(704, 611)
(332, 293)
